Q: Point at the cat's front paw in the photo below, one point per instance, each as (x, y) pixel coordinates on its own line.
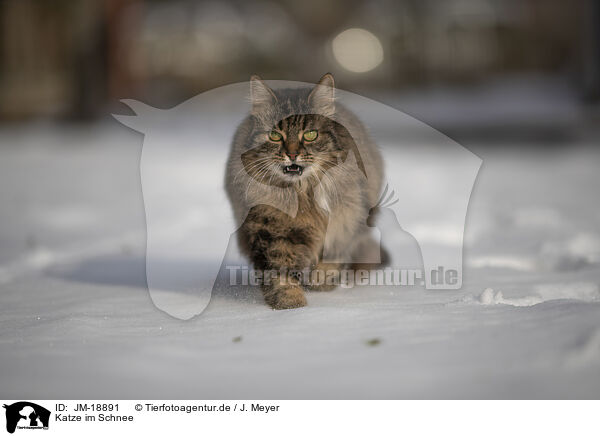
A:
(288, 298)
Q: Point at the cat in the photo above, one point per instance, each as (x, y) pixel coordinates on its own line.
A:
(307, 190)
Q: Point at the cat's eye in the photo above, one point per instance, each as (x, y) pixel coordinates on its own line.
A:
(310, 135)
(275, 136)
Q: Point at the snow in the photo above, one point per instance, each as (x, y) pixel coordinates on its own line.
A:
(576, 291)
(76, 319)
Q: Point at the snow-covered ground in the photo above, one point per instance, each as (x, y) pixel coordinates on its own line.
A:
(76, 319)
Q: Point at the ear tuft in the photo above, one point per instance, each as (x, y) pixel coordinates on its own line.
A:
(327, 80)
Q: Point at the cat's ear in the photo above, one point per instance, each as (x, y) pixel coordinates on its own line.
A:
(322, 97)
(260, 94)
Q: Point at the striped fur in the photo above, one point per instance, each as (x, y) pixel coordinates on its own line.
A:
(294, 222)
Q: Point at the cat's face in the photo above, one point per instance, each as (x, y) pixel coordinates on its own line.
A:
(295, 148)
(286, 149)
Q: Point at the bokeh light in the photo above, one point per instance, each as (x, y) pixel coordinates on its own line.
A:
(357, 50)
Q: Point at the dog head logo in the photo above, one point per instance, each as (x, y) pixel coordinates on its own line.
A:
(26, 415)
(188, 216)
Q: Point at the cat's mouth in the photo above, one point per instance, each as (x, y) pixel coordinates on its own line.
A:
(293, 169)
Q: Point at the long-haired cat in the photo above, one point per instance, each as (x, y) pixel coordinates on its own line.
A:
(302, 187)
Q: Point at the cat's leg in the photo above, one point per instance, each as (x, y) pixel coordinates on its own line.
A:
(369, 254)
(282, 252)
(288, 261)
(324, 277)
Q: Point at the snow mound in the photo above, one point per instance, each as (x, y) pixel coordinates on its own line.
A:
(587, 292)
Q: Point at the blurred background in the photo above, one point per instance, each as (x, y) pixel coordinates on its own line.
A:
(491, 64)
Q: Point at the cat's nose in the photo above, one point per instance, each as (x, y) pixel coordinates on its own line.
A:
(292, 156)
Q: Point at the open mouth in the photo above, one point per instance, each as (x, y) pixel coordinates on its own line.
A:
(293, 169)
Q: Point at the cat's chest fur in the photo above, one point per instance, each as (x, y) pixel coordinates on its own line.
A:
(335, 224)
